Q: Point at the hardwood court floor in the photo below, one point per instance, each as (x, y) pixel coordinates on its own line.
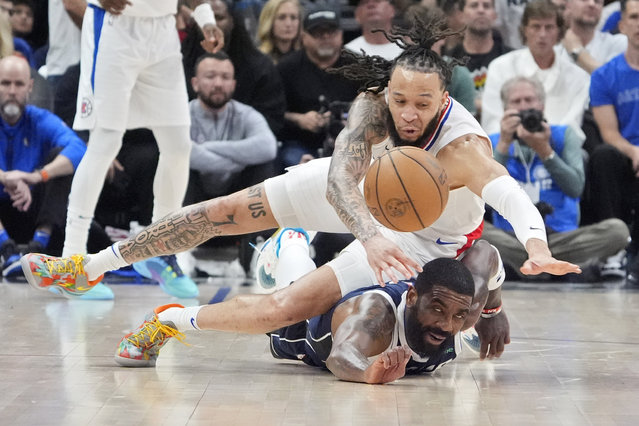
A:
(573, 360)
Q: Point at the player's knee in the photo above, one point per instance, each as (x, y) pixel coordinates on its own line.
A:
(285, 310)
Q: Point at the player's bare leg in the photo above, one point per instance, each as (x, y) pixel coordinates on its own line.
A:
(239, 213)
(311, 295)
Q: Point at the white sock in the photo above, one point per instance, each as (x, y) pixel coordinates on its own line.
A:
(77, 234)
(184, 319)
(108, 259)
(294, 259)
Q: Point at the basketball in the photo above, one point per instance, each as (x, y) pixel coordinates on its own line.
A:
(406, 189)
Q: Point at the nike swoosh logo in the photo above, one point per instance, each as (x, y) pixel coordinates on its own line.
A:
(533, 228)
(444, 243)
(193, 323)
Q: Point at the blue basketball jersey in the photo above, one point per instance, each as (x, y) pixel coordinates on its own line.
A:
(311, 341)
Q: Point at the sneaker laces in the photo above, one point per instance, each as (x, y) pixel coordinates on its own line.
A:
(171, 260)
(68, 265)
(154, 330)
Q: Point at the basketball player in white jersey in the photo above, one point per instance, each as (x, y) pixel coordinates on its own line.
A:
(405, 103)
(131, 77)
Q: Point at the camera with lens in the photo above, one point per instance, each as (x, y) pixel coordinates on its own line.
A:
(531, 120)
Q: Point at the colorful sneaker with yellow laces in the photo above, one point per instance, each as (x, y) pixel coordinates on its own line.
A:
(141, 347)
(65, 274)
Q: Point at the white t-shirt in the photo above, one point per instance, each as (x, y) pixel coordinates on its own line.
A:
(566, 86)
(388, 51)
(147, 8)
(64, 40)
(603, 46)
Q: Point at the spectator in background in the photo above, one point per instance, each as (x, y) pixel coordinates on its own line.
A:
(547, 162)
(258, 82)
(374, 15)
(509, 15)
(565, 84)
(461, 86)
(481, 43)
(455, 19)
(21, 20)
(233, 147)
(65, 22)
(589, 48)
(586, 46)
(39, 153)
(614, 166)
(308, 98)
(278, 30)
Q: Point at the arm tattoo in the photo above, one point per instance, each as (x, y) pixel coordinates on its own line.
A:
(185, 229)
(380, 319)
(351, 159)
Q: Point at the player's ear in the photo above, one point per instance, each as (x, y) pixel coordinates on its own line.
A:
(386, 95)
(411, 296)
(444, 98)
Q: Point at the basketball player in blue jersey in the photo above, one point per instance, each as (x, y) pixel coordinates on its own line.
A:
(405, 102)
(378, 334)
(132, 77)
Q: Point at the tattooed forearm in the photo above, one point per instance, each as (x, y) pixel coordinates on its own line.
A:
(256, 207)
(366, 126)
(185, 229)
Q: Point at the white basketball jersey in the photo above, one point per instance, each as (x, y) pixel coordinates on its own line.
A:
(460, 222)
(147, 8)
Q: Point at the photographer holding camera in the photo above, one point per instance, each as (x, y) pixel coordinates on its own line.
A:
(547, 161)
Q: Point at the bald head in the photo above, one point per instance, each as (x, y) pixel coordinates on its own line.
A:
(15, 86)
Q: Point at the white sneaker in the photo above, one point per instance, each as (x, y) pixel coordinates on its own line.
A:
(471, 339)
(269, 253)
(615, 266)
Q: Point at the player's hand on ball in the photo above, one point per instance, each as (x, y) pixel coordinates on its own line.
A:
(494, 334)
(213, 38)
(389, 366)
(385, 256)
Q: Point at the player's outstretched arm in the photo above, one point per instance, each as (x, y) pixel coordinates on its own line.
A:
(469, 162)
(362, 328)
(351, 158)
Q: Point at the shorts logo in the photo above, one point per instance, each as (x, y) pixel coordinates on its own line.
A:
(86, 108)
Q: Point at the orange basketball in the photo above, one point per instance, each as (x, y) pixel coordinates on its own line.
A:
(406, 189)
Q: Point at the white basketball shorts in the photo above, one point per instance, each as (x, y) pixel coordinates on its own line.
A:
(131, 73)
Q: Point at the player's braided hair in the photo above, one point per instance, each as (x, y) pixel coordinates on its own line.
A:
(416, 40)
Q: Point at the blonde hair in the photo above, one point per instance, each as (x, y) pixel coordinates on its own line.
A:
(6, 37)
(265, 28)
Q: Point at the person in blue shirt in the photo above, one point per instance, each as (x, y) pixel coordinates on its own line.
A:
(614, 166)
(548, 163)
(38, 155)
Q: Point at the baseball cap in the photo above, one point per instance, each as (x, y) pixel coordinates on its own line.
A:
(321, 17)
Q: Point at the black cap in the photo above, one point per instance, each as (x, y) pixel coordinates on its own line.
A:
(319, 17)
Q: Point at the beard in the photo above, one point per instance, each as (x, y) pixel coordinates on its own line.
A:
(420, 142)
(12, 109)
(480, 32)
(415, 333)
(212, 103)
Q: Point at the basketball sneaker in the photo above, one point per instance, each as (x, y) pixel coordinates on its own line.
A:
(471, 339)
(166, 271)
(269, 254)
(141, 347)
(65, 274)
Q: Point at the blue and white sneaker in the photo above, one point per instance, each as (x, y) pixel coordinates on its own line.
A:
(269, 254)
(166, 271)
(471, 339)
